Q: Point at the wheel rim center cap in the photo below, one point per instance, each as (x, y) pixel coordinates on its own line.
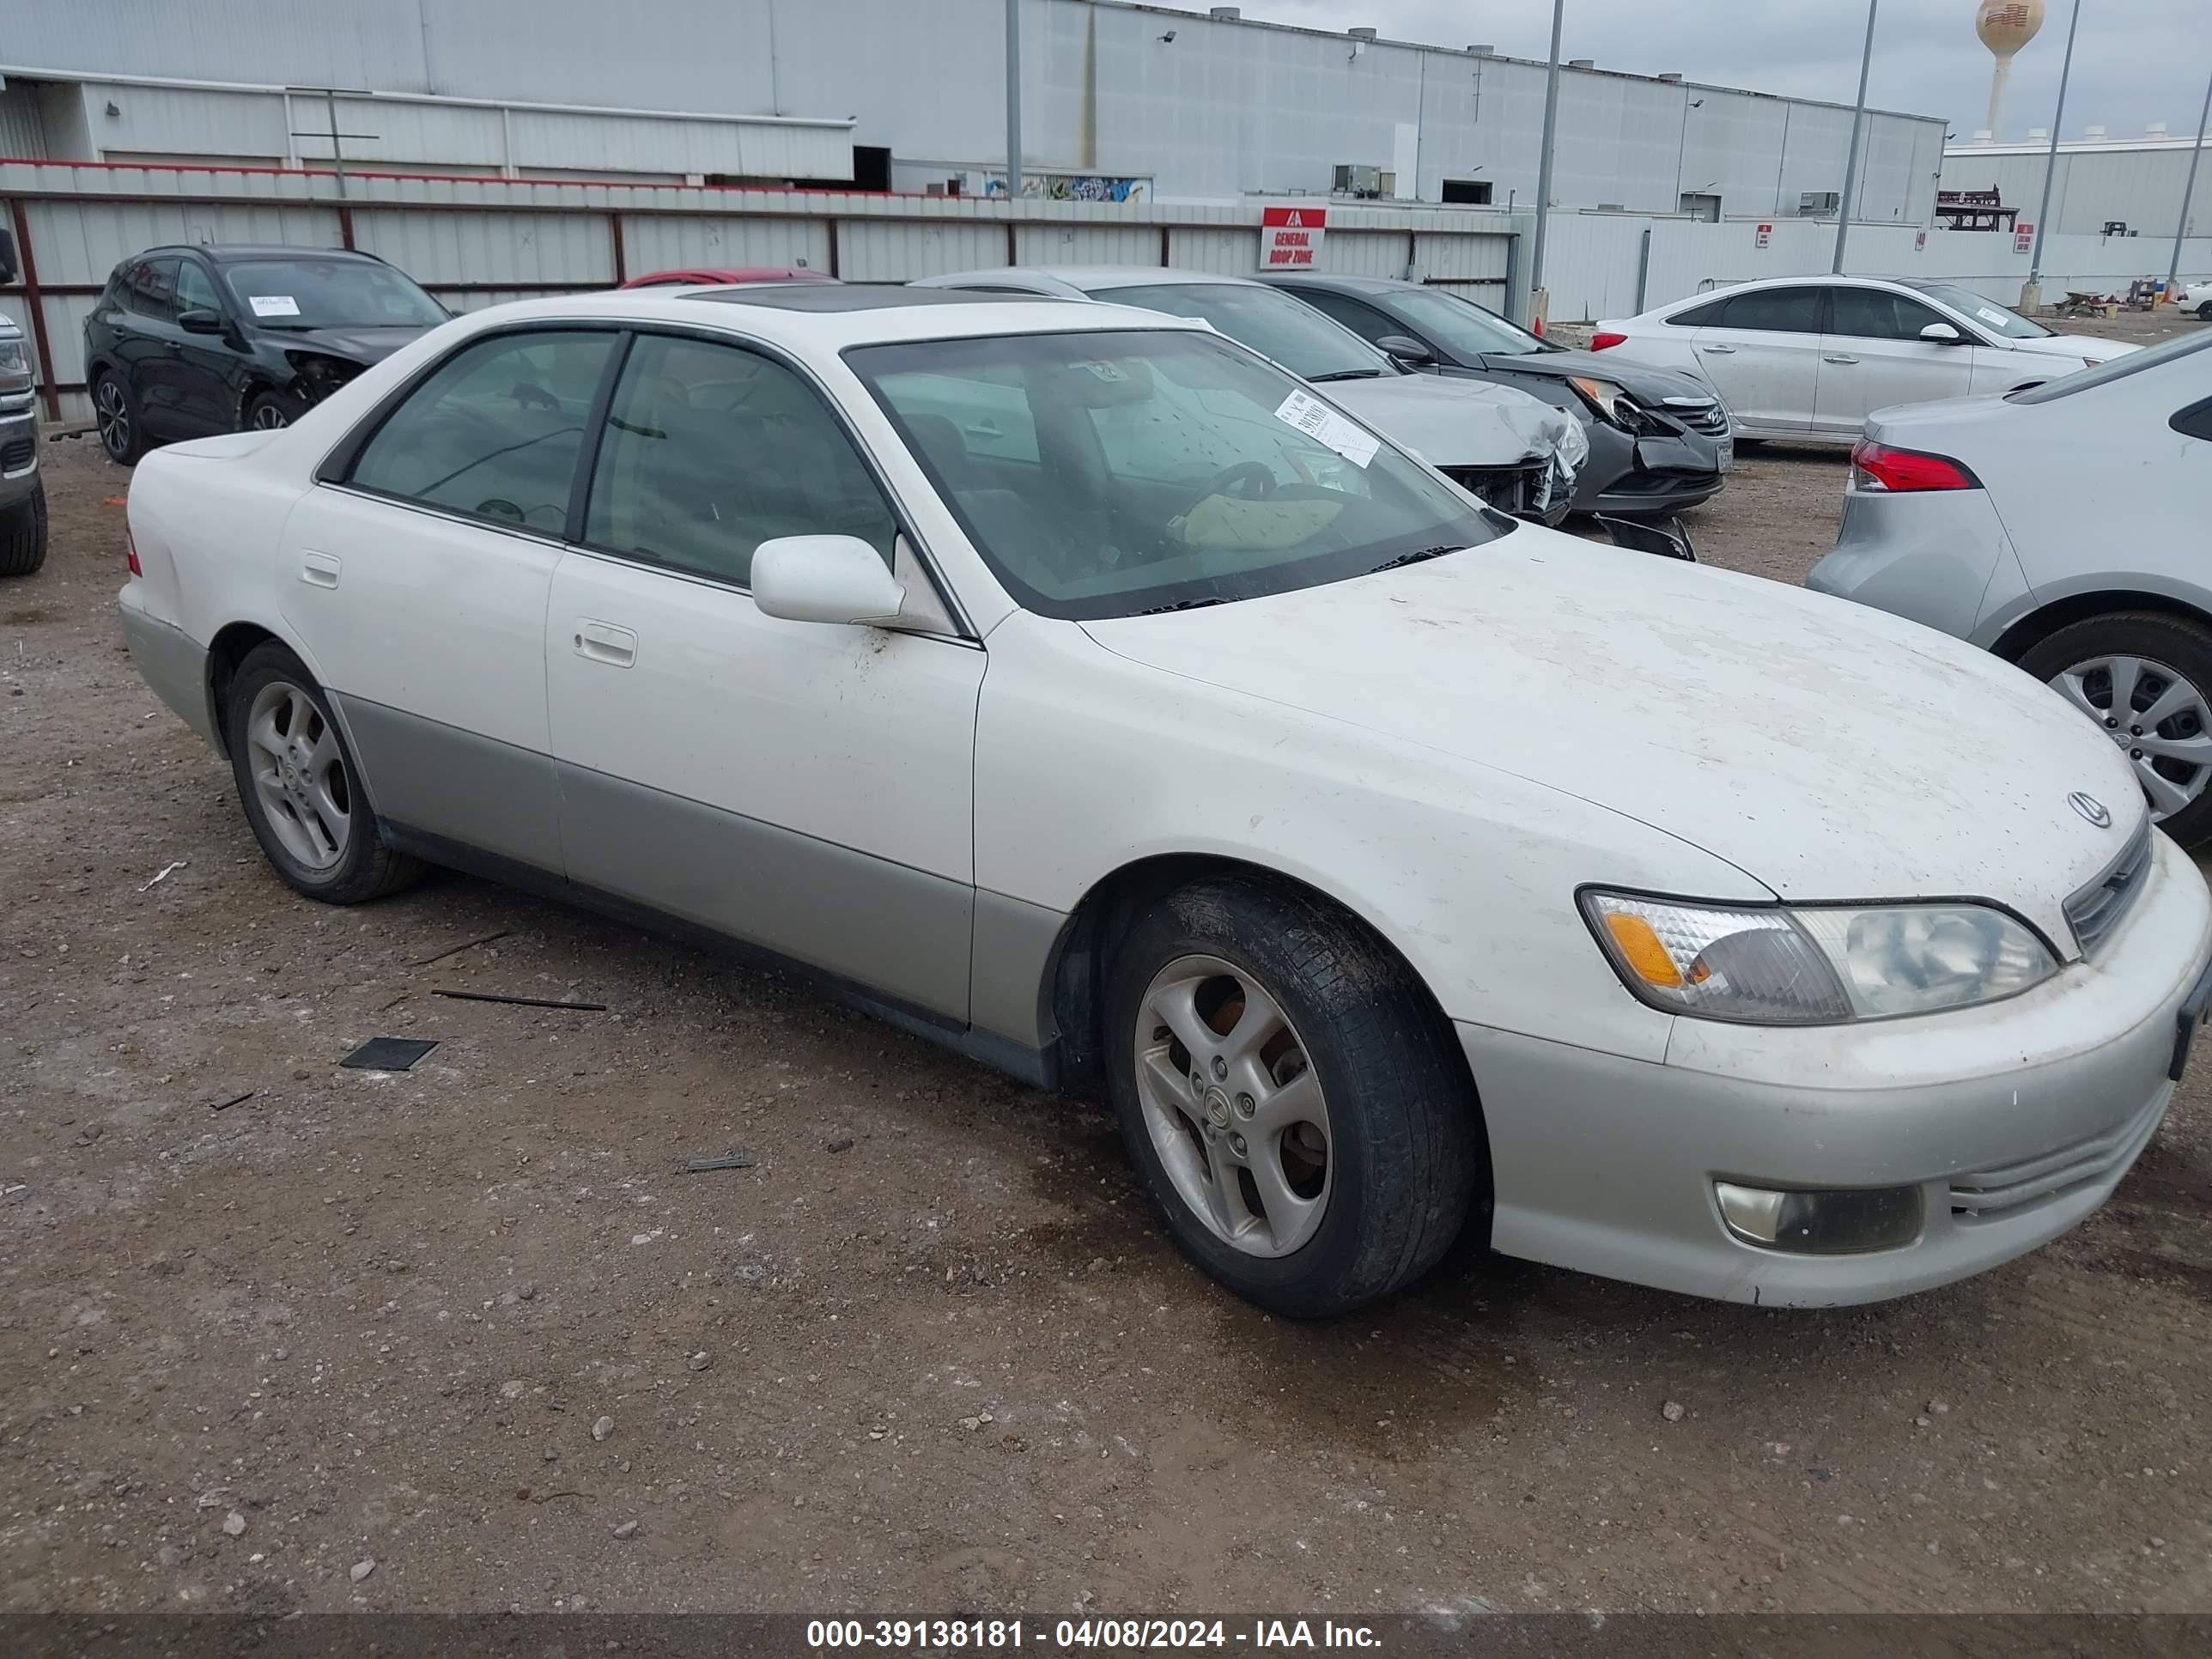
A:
(1217, 1108)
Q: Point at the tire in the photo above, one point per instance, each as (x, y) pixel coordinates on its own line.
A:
(274, 708)
(2167, 652)
(122, 426)
(23, 535)
(1403, 1158)
(2204, 312)
(270, 410)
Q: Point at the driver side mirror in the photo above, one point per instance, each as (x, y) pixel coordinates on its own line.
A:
(825, 579)
(1406, 348)
(201, 321)
(1943, 334)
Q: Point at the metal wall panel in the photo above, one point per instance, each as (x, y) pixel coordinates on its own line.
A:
(1219, 249)
(2140, 187)
(670, 241)
(82, 241)
(386, 133)
(891, 252)
(23, 122)
(470, 245)
(192, 121)
(1086, 244)
(320, 43)
(1589, 264)
(578, 141)
(1365, 252)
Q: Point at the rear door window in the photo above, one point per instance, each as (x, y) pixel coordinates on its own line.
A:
(1775, 311)
(150, 290)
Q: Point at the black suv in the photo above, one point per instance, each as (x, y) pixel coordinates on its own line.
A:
(186, 342)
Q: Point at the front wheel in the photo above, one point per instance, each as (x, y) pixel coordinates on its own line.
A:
(1292, 1102)
(300, 786)
(2205, 311)
(23, 534)
(2144, 679)
(271, 411)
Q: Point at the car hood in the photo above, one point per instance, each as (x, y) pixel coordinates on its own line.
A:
(361, 345)
(1650, 384)
(1829, 751)
(1454, 422)
(2073, 346)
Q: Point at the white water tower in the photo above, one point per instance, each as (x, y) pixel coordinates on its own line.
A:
(2005, 26)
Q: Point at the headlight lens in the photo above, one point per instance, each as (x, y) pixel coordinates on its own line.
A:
(1816, 965)
(15, 366)
(1574, 444)
(1611, 402)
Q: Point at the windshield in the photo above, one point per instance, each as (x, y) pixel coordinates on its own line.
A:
(1988, 314)
(1462, 327)
(330, 294)
(1272, 323)
(1115, 473)
(2116, 368)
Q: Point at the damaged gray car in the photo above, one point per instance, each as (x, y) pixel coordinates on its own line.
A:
(1521, 455)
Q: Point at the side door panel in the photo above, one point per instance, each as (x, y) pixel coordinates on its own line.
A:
(208, 380)
(147, 345)
(804, 787)
(420, 586)
(1872, 356)
(1764, 356)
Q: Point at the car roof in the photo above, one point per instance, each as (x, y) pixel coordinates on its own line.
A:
(227, 252)
(679, 276)
(827, 318)
(1096, 279)
(1326, 279)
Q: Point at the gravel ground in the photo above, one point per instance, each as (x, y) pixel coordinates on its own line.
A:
(463, 1339)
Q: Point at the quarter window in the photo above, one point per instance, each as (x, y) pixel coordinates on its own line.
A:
(151, 288)
(711, 450)
(495, 431)
(1875, 313)
(1703, 316)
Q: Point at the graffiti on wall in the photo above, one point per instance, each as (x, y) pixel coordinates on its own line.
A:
(1073, 188)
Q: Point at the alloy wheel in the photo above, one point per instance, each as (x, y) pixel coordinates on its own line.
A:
(112, 412)
(268, 418)
(300, 775)
(2156, 715)
(1229, 1095)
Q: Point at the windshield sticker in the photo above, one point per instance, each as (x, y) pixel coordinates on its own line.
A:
(1324, 425)
(273, 305)
(1987, 314)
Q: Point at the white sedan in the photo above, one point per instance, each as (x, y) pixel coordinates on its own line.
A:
(1811, 357)
(1395, 867)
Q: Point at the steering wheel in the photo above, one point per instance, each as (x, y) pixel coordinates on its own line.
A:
(1256, 474)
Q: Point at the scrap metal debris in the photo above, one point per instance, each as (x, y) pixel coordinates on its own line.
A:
(167, 871)
(235, 1100)
(388, 1055)
(521, 1002)
(704, 1165)
(465, 945)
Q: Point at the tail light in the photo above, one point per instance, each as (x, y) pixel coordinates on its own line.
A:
(1877, 467)
(1605, 338)
(130, 553)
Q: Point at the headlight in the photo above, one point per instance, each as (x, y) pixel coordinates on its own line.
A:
(1574, 444)
(1611, 402)
(1815, 965)
(320, 375)
(15, 366)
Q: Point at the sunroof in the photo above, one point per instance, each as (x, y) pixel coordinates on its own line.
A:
(849, 296)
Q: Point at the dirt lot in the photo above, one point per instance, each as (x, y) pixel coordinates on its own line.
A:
(930, 1354)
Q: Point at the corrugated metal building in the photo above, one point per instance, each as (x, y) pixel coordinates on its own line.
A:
(1119, 99)
(2097, 181)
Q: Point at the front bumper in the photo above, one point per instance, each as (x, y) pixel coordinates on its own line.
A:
(19, 453)
(172, 663)
(2016, 1122)
(1651, 476)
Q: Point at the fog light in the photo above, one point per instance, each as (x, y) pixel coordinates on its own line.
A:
(1821, 1223)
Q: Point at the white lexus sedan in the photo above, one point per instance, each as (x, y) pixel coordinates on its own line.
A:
(1811, 357)
(1395, 866)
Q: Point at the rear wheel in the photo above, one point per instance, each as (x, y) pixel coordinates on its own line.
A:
(2205, 311)
(23, 534)
(1291, 1101)
(300, 787)
(2145, 679)
(122, 434)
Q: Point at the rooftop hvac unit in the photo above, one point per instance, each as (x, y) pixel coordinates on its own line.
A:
(1352, 179)
(1815, 203)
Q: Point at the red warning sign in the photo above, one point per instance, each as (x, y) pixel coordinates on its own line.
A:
(1290, 237)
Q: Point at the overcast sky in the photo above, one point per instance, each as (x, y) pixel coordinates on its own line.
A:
(2135, 61)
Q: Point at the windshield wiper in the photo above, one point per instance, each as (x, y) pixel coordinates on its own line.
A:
(1181, 605)
(1347, 374)
(1417, 557)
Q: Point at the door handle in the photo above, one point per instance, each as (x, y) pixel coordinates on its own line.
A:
(599, 641)
(1838, 360)
(318, 569)
(1717, 350)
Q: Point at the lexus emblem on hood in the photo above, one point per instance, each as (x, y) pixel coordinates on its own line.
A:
(2090, 808)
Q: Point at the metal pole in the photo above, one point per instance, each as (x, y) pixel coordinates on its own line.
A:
(1858, 127)
(337, 161)
(1544, 163)
(2050, 161)
(2189, 190)
(1013, 98)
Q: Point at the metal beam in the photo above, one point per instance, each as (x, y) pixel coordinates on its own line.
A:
(2051, 160)
(1858, 130)
(1544, 161)
(2189, 190)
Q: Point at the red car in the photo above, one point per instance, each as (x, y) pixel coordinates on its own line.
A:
(742, 274)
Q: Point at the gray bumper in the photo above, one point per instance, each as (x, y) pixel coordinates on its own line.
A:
(1931, 555)
(173, 665)
(1648, 476)
(19, 455)
(1607, 1165)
